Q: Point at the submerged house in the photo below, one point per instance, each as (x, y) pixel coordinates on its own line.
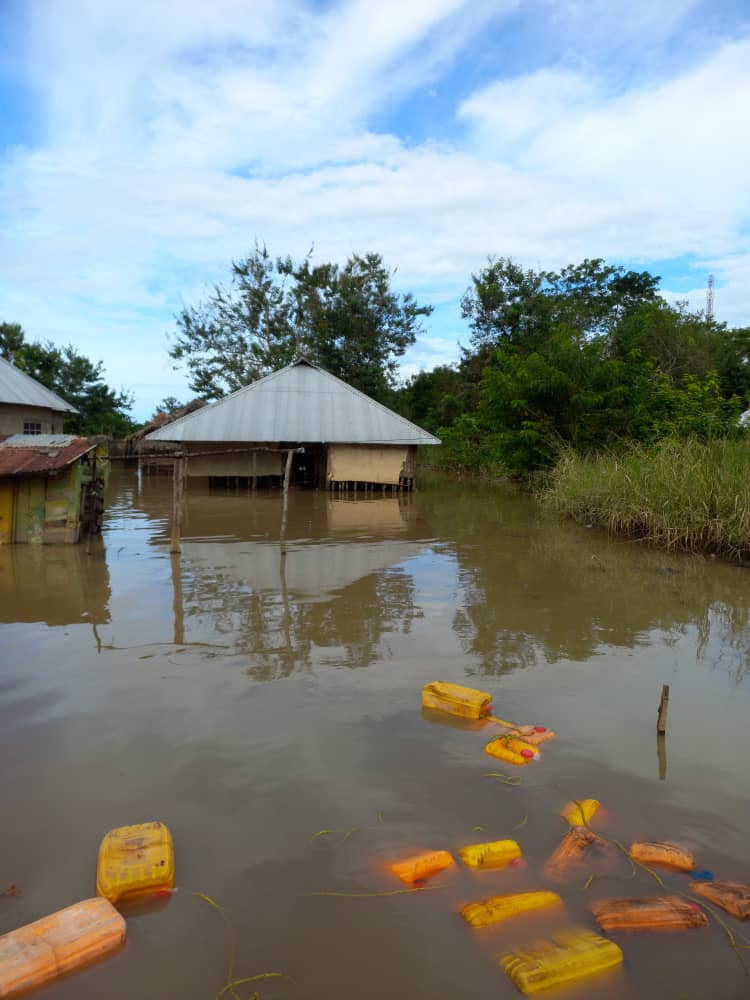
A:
(27, 406)
(327, 433)
(51, 488)
(50, 485)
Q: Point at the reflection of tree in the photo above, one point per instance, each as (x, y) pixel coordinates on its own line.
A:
(538, 590)
(280, 632)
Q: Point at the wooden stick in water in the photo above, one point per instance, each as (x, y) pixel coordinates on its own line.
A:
(661, 724)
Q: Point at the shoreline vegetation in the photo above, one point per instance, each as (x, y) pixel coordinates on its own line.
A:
(679, 494)
(614, 407)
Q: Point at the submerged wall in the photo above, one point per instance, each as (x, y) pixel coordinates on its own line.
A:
(249, 463)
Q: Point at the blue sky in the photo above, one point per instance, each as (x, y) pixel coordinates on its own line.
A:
(142, 147)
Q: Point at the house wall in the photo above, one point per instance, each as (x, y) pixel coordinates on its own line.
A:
(7, 508)
(12, 419)
(367, 463)
(43, 509)
(255, 463)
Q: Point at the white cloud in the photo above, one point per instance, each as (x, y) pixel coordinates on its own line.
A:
(176, 136)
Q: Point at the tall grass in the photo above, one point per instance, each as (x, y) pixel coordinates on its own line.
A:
(678, 494)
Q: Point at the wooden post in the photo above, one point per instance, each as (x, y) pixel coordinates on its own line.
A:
(178, 486)
(177, 604)
(285, 500)
(661, 753)
(661, 725)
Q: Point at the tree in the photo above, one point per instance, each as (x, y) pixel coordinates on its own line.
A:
(168, 405)
(79, 381)
(347, 319)
(523, 307)
(11, 340)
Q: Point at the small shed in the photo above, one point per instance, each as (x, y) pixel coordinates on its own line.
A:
(27, 406)
(332, 434)
(51, 488)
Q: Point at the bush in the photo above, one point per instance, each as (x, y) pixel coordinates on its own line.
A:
(679, 494)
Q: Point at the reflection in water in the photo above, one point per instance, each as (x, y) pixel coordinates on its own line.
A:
(535, 591)
(339, 598)
(462, 582)
(55, 584)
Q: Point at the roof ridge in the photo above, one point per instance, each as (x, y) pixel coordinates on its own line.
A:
(337, 386)
(67, 407)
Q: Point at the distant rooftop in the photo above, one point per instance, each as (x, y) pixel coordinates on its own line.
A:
(299, 403)
(20, 389)
(29, 454)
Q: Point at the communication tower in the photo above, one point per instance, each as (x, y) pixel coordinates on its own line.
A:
(710, 299)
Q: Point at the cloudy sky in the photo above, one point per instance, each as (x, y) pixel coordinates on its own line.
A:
(145, 144)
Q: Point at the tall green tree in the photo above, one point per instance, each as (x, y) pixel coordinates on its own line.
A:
(74, 377)
(506, 303)
(348, 319)
(11, 340)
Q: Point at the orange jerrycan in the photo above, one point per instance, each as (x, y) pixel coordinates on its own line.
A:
(512, 750)
(578, 846)
(663, 854)
(579, 812)
(135, 862)
(732, 897)
(421, 866)
(58, 944)
(496, 909)
(568, 957)
(668, 913)
(465, 702)
(496, 854)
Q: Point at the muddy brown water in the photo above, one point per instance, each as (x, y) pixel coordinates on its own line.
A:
(250, 708)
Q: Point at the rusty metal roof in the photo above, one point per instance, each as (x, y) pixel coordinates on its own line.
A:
(32, 454)
(20, 389)
(299, 403)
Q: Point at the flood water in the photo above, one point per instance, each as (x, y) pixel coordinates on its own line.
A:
(250, 707)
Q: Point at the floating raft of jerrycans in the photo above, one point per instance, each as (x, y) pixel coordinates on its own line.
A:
(135, 862)
(470, 704)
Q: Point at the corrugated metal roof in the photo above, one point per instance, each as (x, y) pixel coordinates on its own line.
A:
(22, 390)
(29, 454)
(299, 403)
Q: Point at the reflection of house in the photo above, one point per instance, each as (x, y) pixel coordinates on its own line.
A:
(316, 571)
(28, 407)
(328, 603)
(338, 434)
(64, 585)
(50, 488)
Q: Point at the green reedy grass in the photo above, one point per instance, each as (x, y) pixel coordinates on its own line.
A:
(678, 494)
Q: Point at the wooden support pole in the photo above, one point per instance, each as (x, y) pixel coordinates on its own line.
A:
(285, 500)
(178, 487)
(661, 724)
